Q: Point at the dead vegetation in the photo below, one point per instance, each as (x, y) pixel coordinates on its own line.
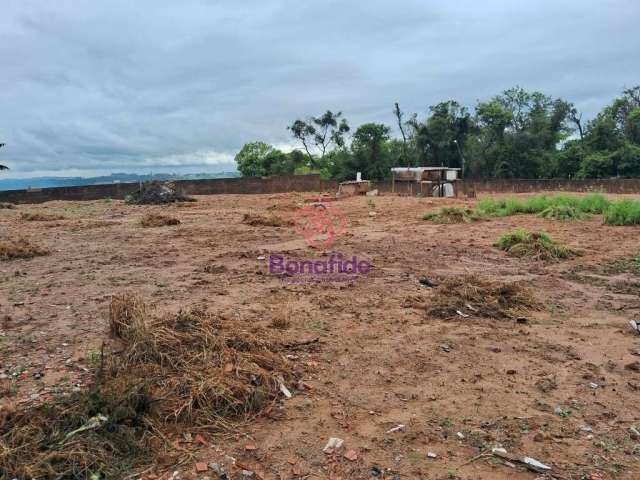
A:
(256, 220)
(40, 217)
(7, 206)
(157, 220)
(20, 248)
(470, 295)
(189, 368)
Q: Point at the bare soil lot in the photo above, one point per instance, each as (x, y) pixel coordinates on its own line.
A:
(373, 367)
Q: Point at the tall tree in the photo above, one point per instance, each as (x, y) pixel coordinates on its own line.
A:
(320, 133)
(434, 138)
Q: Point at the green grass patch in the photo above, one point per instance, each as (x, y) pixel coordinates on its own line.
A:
(502, 207)
(537, 245)
(624, 212)
(453, 215)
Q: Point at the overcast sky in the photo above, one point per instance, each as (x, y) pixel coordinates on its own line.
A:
(93, 87)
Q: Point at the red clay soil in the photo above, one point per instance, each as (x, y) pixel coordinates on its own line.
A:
(553, 387)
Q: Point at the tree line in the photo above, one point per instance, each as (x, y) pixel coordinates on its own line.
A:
(516, 134)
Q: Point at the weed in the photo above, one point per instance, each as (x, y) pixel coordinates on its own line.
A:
(625, 212)
(7, 206)
(563, 212)
(537, 245)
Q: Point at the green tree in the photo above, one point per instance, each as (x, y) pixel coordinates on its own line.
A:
(321, 133)
(434, 138)
(261, 159)
(370, 151)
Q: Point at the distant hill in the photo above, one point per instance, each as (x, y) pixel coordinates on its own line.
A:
(45, 182)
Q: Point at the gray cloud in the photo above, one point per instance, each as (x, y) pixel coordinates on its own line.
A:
(96, 87)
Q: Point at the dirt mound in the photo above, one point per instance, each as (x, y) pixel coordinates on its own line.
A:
(537, 245)
(256, 220)
(453, 215)
(20, 248)
(157, 220)
(157, 193)
(40, 217)
(191, 368)
(474, 296)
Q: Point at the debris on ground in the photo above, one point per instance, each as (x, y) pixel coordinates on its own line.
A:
(20, 248)
(396, 428)
(635, 325)
(450, 215)
(157, 220)
(256, 220)
(480, 297)
(536, 245)
(333, 445)
(424, 281)
(157, 193)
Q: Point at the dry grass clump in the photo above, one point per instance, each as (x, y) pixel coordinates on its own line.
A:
(7, 206)
(201, 368)
(20, 248)
(40, 217)
(536, 245)
(157, 220)
(453, 215)
(256, 220)
(475, 296)
(191, 368)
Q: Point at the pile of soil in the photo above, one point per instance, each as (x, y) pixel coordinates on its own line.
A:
(156, 220)
(256, 220)
(158, 193)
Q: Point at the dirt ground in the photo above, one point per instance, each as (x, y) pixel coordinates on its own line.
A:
(555, 387)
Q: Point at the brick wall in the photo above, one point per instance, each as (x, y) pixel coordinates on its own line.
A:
(248, 185)
(311, 183)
